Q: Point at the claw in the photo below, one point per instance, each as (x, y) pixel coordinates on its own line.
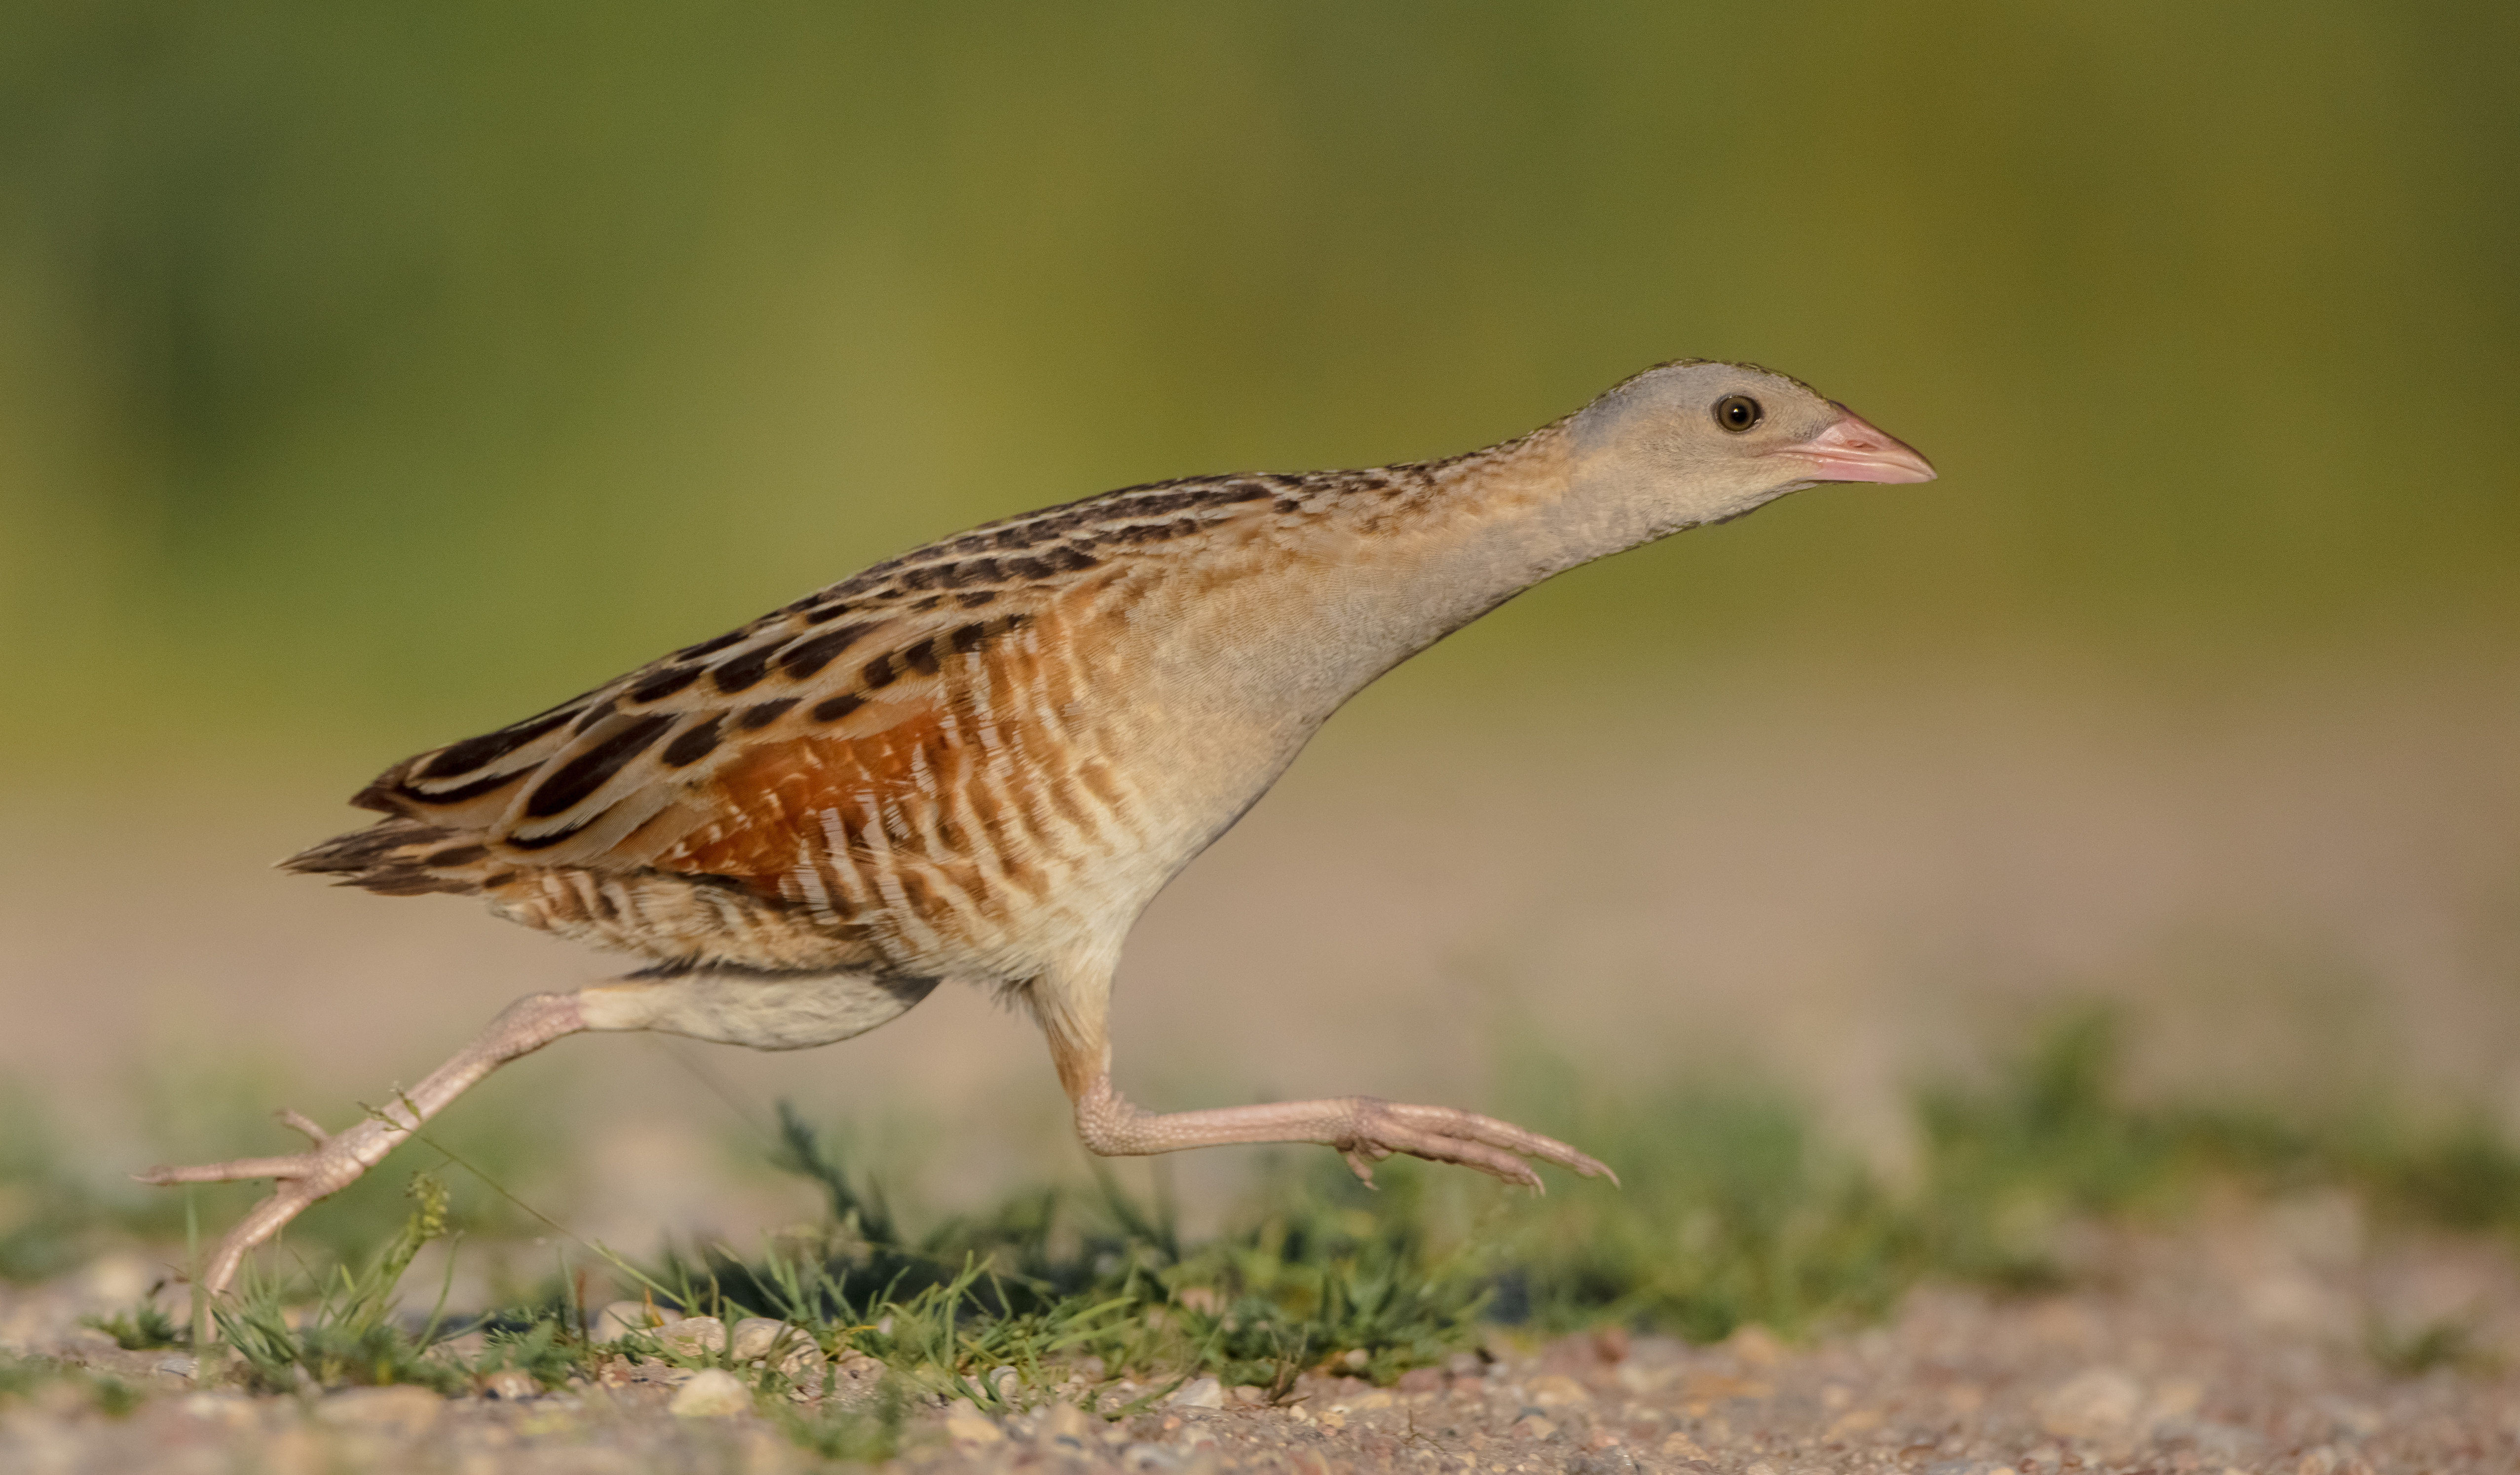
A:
(1509, 1142)
(300, 1181)
(339, 1158)
(1443, 1134)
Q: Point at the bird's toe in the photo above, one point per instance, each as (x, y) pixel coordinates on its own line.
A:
(1484, 1143)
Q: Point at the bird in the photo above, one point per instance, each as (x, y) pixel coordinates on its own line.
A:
(981, 761)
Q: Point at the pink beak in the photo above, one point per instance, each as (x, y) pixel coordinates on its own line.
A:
(1852, 450)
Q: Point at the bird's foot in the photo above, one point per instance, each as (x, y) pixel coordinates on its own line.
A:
(301, 1180)
(1443, 1134)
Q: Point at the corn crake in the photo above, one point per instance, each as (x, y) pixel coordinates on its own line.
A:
(982, 759)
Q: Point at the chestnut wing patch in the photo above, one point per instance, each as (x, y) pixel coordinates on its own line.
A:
(616, 778)
(917, 812)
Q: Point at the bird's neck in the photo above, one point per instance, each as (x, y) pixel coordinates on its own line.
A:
(1500, 520)
(1376, 578)
(1250, 661)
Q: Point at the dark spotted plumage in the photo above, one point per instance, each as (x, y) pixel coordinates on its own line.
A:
(740, 673)
(694, 743)
(576, 817)
(568, 786)
(475, 752)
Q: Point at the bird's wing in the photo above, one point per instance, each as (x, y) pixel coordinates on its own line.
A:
(620, 778)
(723, 758)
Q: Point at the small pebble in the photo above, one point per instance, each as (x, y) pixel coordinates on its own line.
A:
(1198, 1393)
(115, 1282)
(692, 1335)
(711, 1393)
(1679, 1446)
(753, 1337)
(233, 1409)
(969, 1427)
(403, 1409)
(621, 1318)
(803, 1364)
(1755, 1345)
(510, 1383)
(1065, 1423)
(2096, 1404)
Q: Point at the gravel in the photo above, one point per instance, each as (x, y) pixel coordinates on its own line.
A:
(2238, 1343)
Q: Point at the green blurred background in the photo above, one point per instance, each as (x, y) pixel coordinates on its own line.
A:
(370, 375)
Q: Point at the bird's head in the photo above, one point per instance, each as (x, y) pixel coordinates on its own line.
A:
(1701, 441)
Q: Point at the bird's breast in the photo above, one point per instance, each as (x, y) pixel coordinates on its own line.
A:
(1029, 803)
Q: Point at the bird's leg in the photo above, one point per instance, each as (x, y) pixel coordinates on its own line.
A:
(1365, 1130)
(337, 1159)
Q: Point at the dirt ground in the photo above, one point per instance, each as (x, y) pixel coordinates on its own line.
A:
(2243, 1341)
(2289, 884)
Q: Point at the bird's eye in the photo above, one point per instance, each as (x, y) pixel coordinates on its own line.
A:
(1738, 412)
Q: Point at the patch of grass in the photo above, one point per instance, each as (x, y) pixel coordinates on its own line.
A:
(62, 1204)
(1045, 1283)
(544, 1350)
(143, 1328)
(835, 1432)
(1732, 1213)
(2056, 1139)
(24, 1377)
(49, 1215)
(2450, 1342)
(1096, 1286)
(2050, 1141)
(1332, 1275)
(198, 1113)
(1735, 1212)
(2465, 1176)
(20, 1375)
(347, 1336)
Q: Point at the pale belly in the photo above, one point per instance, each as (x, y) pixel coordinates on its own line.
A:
(762, 1011)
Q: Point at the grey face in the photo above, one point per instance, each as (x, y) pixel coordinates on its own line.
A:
(1724, 437)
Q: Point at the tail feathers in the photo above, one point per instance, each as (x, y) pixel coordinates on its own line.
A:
(385, 796)
(398, 857)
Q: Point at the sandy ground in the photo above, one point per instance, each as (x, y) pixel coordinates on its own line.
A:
(1840, 884)
(2235, 1344)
